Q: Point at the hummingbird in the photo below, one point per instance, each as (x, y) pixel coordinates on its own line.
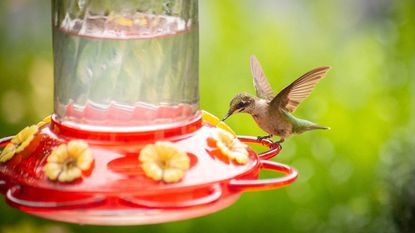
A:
(273, 113)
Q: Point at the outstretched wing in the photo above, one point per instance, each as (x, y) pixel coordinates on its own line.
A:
(291, 96)
(262, 86)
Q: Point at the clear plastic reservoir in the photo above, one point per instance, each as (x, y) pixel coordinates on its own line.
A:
(125, 64)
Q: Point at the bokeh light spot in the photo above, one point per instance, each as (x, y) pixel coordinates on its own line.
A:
(341, 170)
(13, 106)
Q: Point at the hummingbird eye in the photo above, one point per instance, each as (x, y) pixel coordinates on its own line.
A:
(241, 105)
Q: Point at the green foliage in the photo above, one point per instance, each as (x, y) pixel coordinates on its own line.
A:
(367, 99)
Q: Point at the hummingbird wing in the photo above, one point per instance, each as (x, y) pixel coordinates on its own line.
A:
(291, 96)
(262, 86)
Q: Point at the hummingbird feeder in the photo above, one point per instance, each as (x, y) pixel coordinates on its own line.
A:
(127, 143)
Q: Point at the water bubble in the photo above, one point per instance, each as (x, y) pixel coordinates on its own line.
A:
(81, 4)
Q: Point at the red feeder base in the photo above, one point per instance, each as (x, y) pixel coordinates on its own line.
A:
(115, 191)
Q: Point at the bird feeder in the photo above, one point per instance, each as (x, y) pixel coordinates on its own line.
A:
(127, 142)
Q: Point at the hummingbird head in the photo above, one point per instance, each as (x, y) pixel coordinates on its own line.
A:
(242, 102)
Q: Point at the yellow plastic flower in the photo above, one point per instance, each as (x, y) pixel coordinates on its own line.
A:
(18, 143)
(67, 161)
(7, 152)
(45, 121)
(123, 21)
(163, 161)
(142, 20)
(231, 147)
(24, 137)
(214, 121)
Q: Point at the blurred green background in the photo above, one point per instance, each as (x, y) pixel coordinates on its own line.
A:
(358, 177)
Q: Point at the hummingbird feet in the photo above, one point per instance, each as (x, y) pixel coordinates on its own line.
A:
(260, 138)
(278, 142)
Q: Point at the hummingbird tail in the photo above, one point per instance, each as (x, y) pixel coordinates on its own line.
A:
(319, 127)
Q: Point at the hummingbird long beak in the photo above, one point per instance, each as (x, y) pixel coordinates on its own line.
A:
(226, 116)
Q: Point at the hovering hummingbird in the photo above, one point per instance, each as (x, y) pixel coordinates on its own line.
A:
(273, 113)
